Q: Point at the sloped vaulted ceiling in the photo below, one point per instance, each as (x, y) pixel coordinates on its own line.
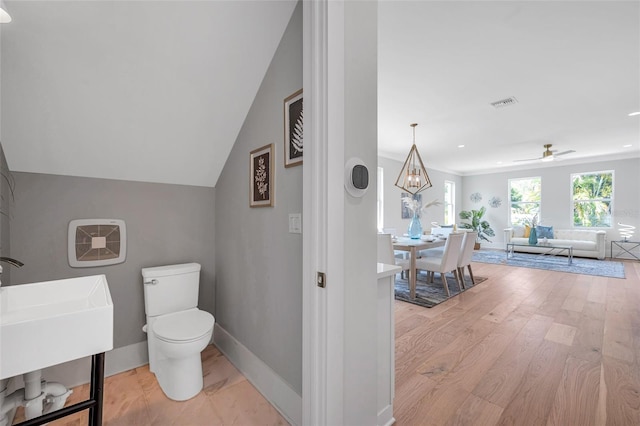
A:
(151, 91)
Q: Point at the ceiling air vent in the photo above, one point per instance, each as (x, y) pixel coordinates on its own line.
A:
(504, 102)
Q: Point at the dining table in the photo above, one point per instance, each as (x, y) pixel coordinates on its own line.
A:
(413, 246)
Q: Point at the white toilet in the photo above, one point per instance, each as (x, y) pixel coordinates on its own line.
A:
(177, 331)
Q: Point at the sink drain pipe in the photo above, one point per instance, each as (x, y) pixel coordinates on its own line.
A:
(38, 397)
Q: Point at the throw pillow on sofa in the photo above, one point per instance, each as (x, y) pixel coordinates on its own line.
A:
(518, 231)
(544, 231)
(527, 231)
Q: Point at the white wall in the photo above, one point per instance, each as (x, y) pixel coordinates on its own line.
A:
(131, 89)
(360, 133)
(392, 204)
(556, 208)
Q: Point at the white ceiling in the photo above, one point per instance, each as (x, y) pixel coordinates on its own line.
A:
(152, 91)
(573, 66)
(157, 90)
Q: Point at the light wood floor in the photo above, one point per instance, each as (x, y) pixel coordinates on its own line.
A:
(134, 398)
(525, 347)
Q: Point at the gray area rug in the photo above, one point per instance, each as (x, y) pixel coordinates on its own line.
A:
(603, 268)
(429, 295)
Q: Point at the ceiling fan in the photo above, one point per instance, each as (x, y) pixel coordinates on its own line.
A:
(548, 154)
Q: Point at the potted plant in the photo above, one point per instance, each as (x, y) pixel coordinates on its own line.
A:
(477, 224)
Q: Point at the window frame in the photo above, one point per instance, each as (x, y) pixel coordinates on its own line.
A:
(610, 199)
(452, 213)
(509, 181)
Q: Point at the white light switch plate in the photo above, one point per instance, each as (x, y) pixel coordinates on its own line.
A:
(295, 223)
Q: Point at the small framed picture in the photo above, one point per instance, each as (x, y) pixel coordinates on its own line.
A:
(262, 190)
(293, 127)
(405, 211)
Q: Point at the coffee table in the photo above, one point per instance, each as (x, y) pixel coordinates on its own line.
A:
(552, 250)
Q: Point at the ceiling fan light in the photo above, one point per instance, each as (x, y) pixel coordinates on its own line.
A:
(547, 155)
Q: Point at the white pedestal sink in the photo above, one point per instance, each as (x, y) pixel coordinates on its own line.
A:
(48, 323)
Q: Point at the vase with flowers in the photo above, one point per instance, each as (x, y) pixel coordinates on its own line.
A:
(415, 227)
(533, 233)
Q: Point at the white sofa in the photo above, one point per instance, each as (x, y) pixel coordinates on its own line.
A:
(585, 243)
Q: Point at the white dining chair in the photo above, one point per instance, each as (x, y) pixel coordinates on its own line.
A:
(447, 263)
(399, 254)
(437, 251)
(386, 254)
(464, 260)
(385, 249)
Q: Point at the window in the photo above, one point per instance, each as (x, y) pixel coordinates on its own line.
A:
(449, 202)
(380, 199)
(524, 200)
(592, 195)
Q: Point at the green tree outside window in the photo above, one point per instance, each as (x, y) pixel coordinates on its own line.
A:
(525, 195)
(592, 195)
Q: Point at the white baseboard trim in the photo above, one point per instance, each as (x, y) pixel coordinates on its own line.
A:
(78, 372)
(126, 358)
(278, 392)
(385, 417)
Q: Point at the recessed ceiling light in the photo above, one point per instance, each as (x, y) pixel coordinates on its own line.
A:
(460, 146)
(627, 145)
(634, 113)
(499, 162)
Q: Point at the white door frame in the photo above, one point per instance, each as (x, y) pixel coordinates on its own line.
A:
(323, 318)
(338, 369)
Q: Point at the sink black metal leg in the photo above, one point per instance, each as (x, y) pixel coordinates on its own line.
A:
(97, 389)
(94, 403)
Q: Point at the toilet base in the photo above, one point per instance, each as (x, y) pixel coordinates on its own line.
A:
(180, 379)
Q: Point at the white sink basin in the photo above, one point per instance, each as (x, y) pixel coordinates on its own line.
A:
(52, 322)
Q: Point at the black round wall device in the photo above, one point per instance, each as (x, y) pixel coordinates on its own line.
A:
(356, 180)
(360, 176)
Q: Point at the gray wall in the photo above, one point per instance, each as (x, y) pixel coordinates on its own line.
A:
(6, 212)
(392, 205)
(258, 262)
(556, 194)
(166, 224)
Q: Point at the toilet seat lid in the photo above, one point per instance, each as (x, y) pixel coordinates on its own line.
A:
(183, 326)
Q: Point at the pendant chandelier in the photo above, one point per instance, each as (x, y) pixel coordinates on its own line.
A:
(413, 177)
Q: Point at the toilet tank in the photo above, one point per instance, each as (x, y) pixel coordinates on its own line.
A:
(175, 288)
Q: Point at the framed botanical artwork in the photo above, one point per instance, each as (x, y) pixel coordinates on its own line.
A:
(262, 190)
(293, 120)
(405, 212)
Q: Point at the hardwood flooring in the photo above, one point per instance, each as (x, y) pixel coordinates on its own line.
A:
(525, 347)
(134, 398)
